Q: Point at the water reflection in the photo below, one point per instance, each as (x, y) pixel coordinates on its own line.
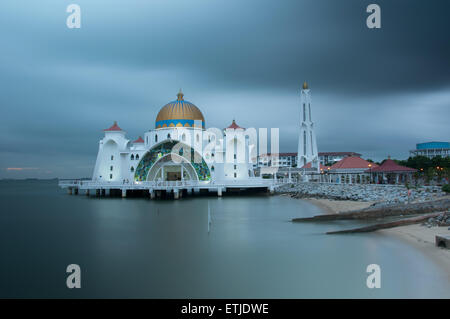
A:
(162, 249)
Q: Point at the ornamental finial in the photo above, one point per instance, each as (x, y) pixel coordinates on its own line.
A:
(180, 96)
(305, 86)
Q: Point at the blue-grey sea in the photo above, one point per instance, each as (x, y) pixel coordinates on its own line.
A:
(142, 248)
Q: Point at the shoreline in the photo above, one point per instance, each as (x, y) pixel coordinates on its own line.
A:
(331, 206)
(423, 239)
(420, 237)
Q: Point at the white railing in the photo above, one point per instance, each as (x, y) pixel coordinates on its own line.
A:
(255, 182)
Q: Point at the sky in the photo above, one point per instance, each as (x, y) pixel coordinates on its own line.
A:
(374, 91)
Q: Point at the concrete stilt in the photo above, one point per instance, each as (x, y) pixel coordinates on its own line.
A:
(176, 194)
(152, 194)
(158, 194)
(87, 192)
(271, 189)
(75, 190)
(97, 192)
(124, 193)
(69, 191)
(219, 191)
(103, 192)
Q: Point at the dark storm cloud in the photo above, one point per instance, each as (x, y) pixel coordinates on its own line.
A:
(375, 91)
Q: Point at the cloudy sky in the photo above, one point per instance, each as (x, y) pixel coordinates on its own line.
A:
(377, 92)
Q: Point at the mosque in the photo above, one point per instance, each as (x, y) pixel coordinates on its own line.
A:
(181, 155)
(179, 148)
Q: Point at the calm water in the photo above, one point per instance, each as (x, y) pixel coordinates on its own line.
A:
(161, 249)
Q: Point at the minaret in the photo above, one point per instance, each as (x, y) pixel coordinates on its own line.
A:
(307, 145)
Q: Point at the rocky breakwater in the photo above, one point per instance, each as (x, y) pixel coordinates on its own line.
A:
(384, 194)
(442, 219)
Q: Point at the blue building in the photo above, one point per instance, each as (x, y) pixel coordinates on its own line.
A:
(432, 149)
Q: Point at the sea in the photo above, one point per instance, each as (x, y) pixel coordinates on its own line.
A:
(236, 246)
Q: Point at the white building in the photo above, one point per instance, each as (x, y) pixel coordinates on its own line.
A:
(178, 148)
(277, 160)
(432, 149)
(307, 145)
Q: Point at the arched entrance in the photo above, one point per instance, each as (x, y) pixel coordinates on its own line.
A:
(166, 169)
(162, 154)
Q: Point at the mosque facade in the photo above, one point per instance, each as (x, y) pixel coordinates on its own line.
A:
(178, 148)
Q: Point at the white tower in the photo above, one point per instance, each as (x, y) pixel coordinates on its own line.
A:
(307, 145)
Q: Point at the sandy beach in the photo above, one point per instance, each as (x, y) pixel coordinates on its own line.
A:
(338, 206)
(423, 238)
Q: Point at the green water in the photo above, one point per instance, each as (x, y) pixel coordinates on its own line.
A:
(137, 247)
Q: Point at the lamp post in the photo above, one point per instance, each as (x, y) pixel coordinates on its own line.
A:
(370, 173)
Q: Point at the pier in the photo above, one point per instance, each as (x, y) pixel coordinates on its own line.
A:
(159, 189)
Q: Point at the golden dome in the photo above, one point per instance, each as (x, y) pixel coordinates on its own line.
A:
(305, 86)
(180, 113)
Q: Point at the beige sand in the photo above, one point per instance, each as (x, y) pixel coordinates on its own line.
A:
(338, 206)
(423, 238)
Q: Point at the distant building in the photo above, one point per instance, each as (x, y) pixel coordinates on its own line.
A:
(432, 149)
(333, 157)
(277, 160)
(291, 159)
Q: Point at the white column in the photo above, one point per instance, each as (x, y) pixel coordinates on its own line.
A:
(307, 144)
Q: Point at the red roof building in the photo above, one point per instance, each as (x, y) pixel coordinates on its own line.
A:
(390, 166)
(114, 127)
(391, 173)
(139, 140)
(352, 163)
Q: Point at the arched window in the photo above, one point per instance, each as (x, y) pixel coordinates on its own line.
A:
(132, 169)
(137, 157)
(212, 154)
(168, 135)
(304, 112)
(112, 157)
(183, 137)
(198, 138)
(111, 168)
(156, 138)
(110, 176)
(212, 168)
(132, 157)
